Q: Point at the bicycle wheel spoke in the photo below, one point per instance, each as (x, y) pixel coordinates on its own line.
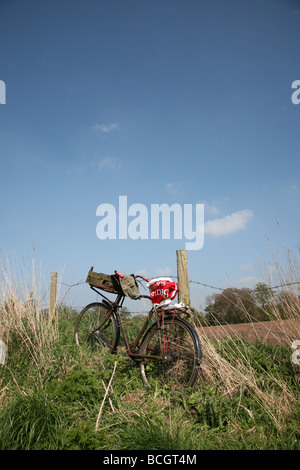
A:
(177, 346)
(87, 332)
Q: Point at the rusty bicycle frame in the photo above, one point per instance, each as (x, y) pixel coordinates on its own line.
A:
(131, 347)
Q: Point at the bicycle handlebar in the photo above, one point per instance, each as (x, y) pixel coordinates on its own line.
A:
(122, 275)
(144, 278)
(119, 274)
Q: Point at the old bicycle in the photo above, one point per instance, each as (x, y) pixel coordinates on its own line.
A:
(167, 348)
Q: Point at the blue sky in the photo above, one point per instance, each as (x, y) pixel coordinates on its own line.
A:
(167, 101)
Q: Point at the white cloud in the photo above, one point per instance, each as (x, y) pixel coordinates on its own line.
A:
(110, 162)
(173, 188)
(211, 208)
(228, 224)
(106, 129)
(214, 207)
(247, 267)
(162, 271)
(142, 272)
(247, 281)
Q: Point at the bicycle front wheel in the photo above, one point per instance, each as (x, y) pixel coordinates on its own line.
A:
(86, 332)
(178, 346)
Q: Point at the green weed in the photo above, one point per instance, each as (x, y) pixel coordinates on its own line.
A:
(31, 421)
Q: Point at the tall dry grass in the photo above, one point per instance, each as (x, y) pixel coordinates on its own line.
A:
(230, 358)
(24, 324)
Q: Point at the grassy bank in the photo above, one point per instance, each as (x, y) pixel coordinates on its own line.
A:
(53, 395)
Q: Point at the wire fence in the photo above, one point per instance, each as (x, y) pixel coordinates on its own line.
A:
(192, 282)
(77, 309)
(222, 289)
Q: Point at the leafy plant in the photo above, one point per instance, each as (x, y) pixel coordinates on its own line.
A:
(31, 421)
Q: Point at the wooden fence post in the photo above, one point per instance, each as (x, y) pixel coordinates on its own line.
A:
(183, 277)
(53, 285)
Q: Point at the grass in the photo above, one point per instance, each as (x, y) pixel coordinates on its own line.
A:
(54, 395)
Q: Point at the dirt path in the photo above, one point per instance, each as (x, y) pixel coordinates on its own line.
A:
(280, 331)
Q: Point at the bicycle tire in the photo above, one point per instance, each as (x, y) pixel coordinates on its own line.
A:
(182, 355)
(88, 320)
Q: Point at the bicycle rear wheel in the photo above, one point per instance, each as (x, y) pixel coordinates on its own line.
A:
(180, 348)
(90, 318)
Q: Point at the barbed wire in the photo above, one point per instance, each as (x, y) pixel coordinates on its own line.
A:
(70, 286)
(210, 286)
(284, 285)
(206, 285)
(224, 288)
(193, 282)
